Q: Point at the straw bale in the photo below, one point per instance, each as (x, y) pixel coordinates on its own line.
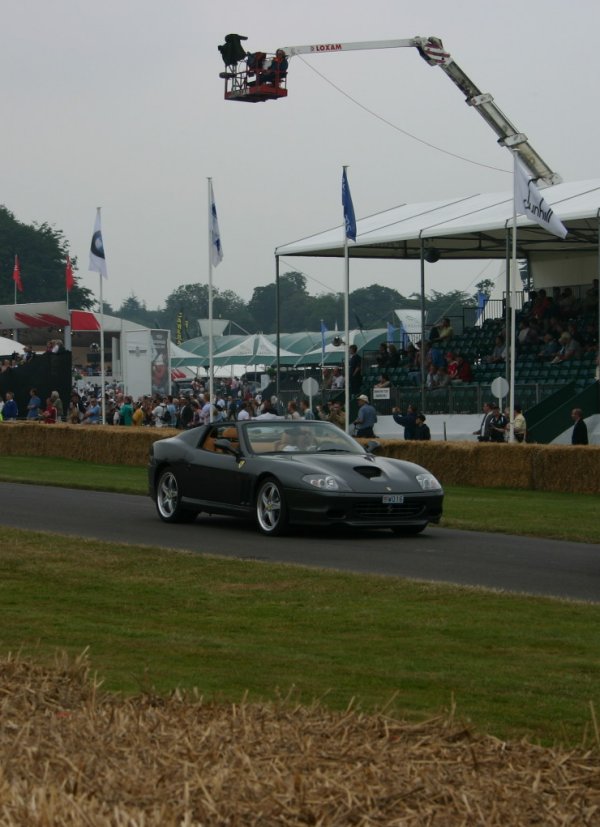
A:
(89, 443)
(71, 754)
(567, 468)
(540, 467)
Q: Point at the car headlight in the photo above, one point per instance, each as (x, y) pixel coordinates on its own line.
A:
(428, 482)
(325, 482)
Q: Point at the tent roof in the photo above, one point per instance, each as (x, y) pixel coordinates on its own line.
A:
(473, 226)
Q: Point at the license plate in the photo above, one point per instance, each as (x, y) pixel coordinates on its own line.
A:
(393, 499)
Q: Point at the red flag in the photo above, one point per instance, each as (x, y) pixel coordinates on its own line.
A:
(69, 274)
(17, 275)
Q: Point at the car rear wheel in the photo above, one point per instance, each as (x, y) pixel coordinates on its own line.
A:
(407, 530)
(271, 511)
(168, 500)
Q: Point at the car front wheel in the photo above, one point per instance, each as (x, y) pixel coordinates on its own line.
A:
(168, 500)
(271, 512)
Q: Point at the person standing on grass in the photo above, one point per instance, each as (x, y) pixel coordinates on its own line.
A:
(10, 410)
(367, 417)
(580, 433)
(34, 405)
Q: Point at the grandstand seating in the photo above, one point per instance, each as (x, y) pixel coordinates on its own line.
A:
(534, 380)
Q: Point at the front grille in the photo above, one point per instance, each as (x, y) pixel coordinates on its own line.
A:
(373, 510)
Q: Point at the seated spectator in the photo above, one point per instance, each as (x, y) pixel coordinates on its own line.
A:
(383, 382)
(451, 366)
(588, 338)
(569, 349)
(540, 305)
(567, 304)
(498, 354)
(394, 356)
(464, 372)
(383, 356)
(527, 334)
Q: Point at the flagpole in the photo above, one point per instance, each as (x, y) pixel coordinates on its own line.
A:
(68, 341)
(346, 322)
(211, 356)
(15, 331)
(102, 369)
(512, 298)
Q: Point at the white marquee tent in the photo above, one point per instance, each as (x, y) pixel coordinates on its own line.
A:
(473, 226)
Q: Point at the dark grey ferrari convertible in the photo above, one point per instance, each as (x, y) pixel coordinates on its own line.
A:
(283, 473)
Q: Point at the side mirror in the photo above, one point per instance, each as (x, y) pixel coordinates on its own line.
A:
(372, 446)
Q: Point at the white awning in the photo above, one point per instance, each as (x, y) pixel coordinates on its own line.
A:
(472, 226)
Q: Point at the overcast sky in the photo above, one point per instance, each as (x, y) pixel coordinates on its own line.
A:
(119, 104)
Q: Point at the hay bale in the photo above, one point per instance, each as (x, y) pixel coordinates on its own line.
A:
(72, 755)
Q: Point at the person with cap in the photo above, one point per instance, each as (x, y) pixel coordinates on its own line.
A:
(367, 417)
(422, 431)
(408, 420)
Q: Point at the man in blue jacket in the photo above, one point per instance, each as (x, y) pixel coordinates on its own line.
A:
(407, 420)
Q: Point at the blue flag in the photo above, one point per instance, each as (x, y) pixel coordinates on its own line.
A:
(349, 218)
(390, 332)
(216, 251)
(482, 300)
(324, 330)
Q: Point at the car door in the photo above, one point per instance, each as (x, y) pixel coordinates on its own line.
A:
(215, 476)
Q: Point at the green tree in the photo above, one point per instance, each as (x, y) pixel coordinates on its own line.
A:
(294, 303)
(374, 305)
(42, 253)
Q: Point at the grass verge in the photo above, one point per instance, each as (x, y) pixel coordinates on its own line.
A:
(155, 619)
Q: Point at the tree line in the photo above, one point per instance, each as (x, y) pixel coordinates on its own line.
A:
(43, 253)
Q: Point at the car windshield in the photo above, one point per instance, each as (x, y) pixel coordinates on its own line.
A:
(299, 437)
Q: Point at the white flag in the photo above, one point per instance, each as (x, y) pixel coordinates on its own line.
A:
(97, 258)
(530, 202)
(216, 251)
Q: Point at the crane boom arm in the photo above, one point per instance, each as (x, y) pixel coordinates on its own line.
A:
(432, 50)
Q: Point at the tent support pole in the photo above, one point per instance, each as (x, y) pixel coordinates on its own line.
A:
(507, 304)
(598, 273)
(277, 327)
(423, 354)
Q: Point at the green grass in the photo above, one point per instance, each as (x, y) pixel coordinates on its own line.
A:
(537, 513)
(514, 666)
(156, 619)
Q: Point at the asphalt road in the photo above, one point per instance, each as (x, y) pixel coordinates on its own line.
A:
(498, 561)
